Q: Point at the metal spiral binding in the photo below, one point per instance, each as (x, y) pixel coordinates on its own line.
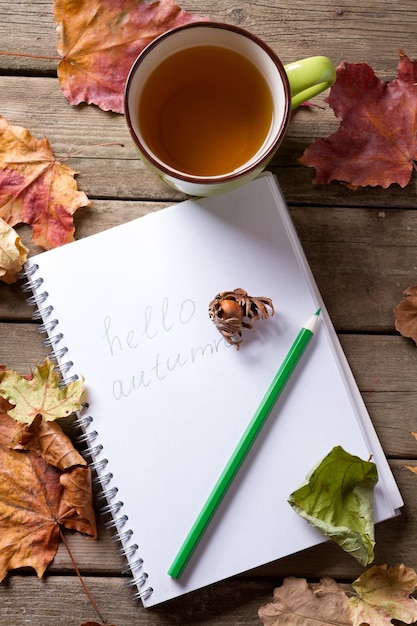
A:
(118, 522)
(97, 463)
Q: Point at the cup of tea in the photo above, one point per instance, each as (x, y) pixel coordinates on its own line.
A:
(207, 104)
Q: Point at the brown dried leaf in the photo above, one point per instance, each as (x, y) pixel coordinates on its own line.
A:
(296, 603)
(48, 440)
(36, 497)
(405, 314)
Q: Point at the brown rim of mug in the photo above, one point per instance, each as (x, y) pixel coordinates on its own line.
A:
(264, 157)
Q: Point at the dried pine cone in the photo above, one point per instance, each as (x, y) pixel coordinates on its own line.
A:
(233, 311)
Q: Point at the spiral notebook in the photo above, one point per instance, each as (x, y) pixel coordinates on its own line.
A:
(169, 398)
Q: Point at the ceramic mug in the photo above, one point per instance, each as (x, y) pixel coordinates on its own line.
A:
(207, 104)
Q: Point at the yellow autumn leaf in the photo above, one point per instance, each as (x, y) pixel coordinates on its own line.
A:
(12, 253)
(40, 394)
(384, 594)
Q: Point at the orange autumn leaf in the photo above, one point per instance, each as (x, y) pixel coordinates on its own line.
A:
(35, 188)
(376, 142)
(38, 496)
(99, 41)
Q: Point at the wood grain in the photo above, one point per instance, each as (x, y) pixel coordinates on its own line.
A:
(361, 246)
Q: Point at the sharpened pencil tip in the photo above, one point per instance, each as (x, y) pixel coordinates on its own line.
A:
(317, 312)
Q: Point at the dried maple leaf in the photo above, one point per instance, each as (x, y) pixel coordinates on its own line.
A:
(40, 394)
(99, 41)
(297, 603)
(12, 253)
(37, 497)
(405, 314)
(35, 188)
(376, 143)
(384, 595)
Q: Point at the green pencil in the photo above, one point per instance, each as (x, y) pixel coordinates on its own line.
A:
(243, 447)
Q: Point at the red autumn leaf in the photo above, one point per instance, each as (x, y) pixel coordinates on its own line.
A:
(39, 492)
(35, 188)
(376, 142)
(99, 41)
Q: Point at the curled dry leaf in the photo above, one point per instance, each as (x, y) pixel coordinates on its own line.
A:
(40, 394)
(405, 314)
(12, 253)
(233, 311)
(375, 143)
(383, 594)
(99, 41)
(337, 498)
(46, 438)
(297, 603)
(35, 188)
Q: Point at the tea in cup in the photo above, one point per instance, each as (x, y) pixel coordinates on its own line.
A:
(207, 104)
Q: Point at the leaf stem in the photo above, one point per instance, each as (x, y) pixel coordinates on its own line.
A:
(30, 56)
(97, 145)
(77, 571)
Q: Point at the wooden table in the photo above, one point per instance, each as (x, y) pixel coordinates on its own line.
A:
(361, 246)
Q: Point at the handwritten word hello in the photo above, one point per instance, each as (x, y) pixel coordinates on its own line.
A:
(155, 322)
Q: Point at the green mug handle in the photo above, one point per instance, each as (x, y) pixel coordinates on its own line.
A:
(309, 77)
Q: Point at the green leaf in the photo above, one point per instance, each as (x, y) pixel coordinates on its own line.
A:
(337, 498)
(40, 394)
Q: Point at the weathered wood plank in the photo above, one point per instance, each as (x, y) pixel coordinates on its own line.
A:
(361, 251)
(362, 259)
(384, 367)
(373, 32)
(26, 600)
(380, 364)
(109, 166)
